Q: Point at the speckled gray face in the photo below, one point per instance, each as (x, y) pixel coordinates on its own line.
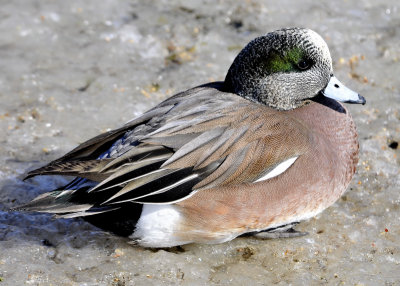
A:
(282, 68)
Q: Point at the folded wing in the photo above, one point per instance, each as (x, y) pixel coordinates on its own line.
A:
(202, 138)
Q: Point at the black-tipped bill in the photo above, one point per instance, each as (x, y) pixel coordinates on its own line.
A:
(338, 91)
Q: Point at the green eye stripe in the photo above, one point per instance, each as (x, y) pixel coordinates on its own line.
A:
(286, 63)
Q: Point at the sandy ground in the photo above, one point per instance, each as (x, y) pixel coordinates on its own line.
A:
(72, 69)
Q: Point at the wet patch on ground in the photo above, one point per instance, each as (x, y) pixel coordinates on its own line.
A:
(70, 70)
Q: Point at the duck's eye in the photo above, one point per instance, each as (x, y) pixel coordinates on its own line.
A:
(304, 64)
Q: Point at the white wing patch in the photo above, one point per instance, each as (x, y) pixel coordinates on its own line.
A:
(282, 167)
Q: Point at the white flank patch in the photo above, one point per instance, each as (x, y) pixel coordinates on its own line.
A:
(282, 167)
(157, 226)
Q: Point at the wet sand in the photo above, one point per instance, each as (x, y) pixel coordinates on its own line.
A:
(72, 69)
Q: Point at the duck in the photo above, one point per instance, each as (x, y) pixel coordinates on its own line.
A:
(270, 146)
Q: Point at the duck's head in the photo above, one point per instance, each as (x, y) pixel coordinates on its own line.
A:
(286, 68)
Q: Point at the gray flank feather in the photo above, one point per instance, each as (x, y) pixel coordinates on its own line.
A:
(191, 146)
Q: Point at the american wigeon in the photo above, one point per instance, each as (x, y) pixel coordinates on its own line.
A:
(268, 147)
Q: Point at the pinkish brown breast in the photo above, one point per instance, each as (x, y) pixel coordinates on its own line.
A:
(314, 182)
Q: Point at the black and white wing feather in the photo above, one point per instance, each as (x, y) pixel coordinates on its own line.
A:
(199, 139)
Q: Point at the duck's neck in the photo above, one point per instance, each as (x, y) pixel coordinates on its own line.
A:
(339, 136)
